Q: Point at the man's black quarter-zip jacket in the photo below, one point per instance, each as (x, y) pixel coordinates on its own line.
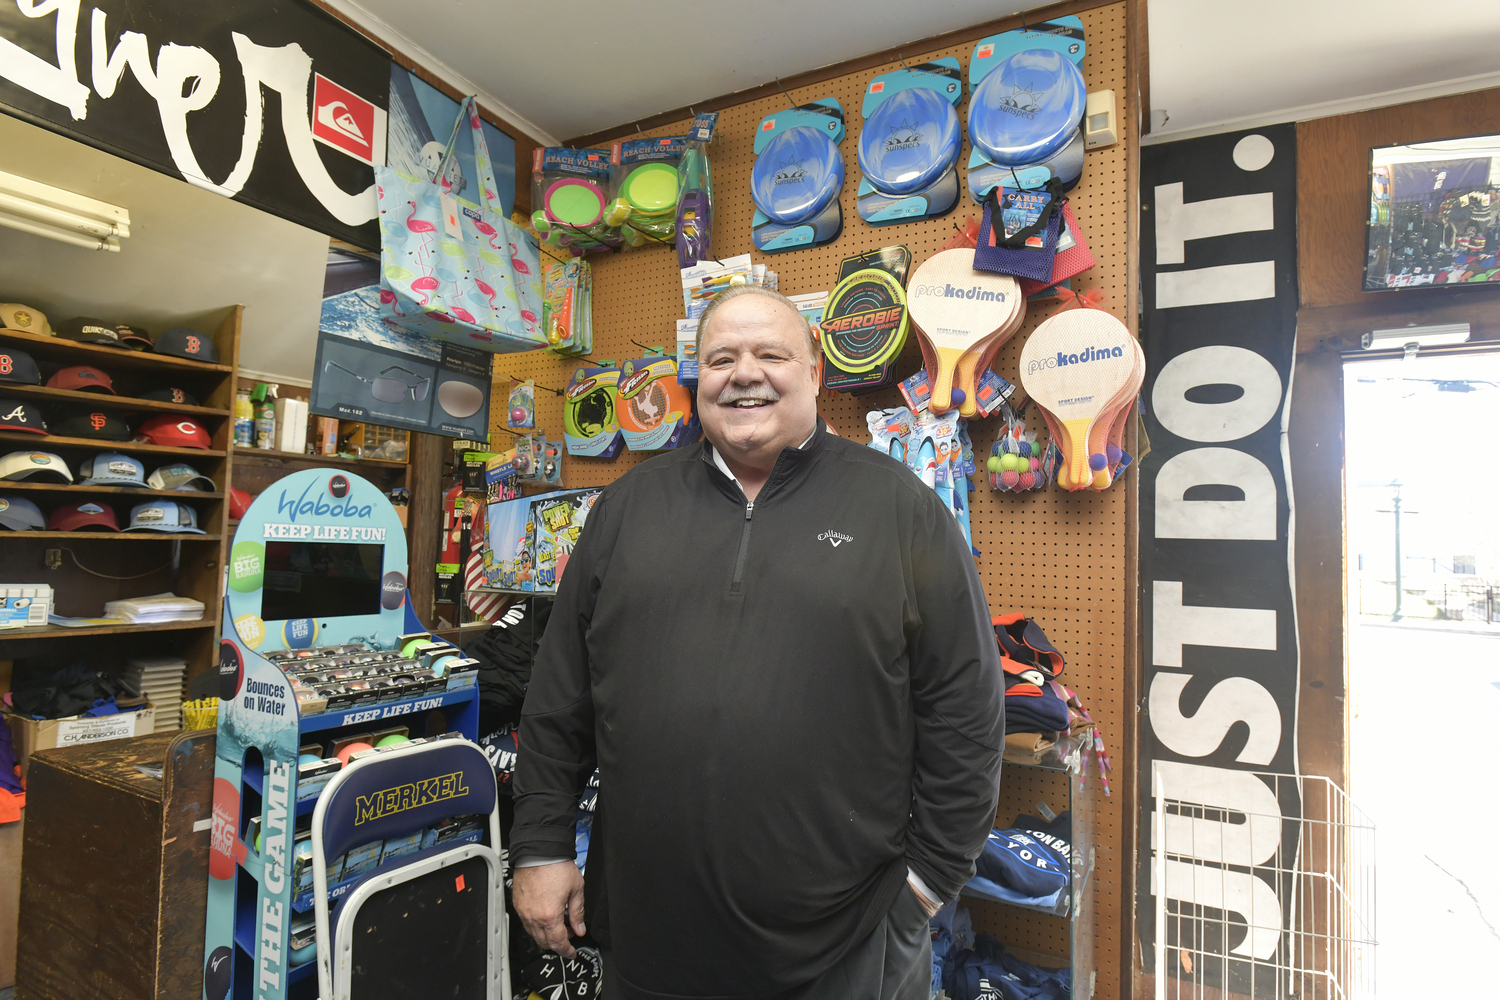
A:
(789, 703)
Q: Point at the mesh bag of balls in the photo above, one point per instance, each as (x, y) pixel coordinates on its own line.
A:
(1016, 458)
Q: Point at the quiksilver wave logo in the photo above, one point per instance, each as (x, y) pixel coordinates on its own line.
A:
(1082, 358)
(834, 538)
(973, 293)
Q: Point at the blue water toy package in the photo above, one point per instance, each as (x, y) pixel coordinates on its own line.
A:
(797, 177)
(908, 148)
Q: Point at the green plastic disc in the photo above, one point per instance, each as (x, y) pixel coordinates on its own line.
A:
(652, 188)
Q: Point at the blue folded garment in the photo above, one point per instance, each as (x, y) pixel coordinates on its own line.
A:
(1031, 858)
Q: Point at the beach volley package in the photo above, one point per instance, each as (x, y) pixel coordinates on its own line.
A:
(570, 192)
(1026, 108)
(962, 318)
(695, 194)
(797, 177)
(1083, 370)
(908, 148)
(655, 410)
(455, 271)
(591, 423)
(865, 322)
(645, 183)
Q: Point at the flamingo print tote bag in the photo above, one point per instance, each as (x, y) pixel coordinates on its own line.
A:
(452, 272)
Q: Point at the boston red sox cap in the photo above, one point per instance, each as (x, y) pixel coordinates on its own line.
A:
(171, 395)
(18, 366)
(186, 343)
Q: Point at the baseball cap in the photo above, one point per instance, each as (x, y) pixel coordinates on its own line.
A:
(81, 378)
(14, 316)
(109, 468)
(180, 396)
(133, 337)
(20, 514)
(180, 476)
(176, 430)
(186, 343)
(18, 416)
(91, 424)
(87, 330)
(164, 515)
(79, 516)
(38, 465)
(239, 502)
(18, 366)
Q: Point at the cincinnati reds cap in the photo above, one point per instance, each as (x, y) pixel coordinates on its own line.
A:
(14, 316)
(86, 330)
(164, 515)
(186, 343)
(180, 476)
(91, 424)
(82, 516)
(18, 416)
(175, 430)
(180, 396)
(18, 366)
(41, 466)
(83, 378)
(133, 337)
(20, 514)
(109, 468)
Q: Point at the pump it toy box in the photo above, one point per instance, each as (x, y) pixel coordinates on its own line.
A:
(591, 425)
(558, 521)
(655, 410)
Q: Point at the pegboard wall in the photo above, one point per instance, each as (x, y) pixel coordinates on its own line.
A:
(1060, 557)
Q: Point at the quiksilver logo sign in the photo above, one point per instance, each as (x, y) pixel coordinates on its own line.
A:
(834, 538)
(1086, 356)
(973, 293)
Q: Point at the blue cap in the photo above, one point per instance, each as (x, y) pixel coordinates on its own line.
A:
(1027, 108)
(186, 343)
(20, 514)
(796, 175)
(112, 469)
(164, 515)
(909, 140)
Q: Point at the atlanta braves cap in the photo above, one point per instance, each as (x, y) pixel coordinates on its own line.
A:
(41, 466)
(18, 366)
(79, 516)
(86, 330)
(83, 378)
(164, 515)
(109, 468)
(14, 316)
(91, 424)
(18, 416)
(133, 337)
(20, 514)
(175, 430)
(173, 395)
(180, 476)
(186, 343)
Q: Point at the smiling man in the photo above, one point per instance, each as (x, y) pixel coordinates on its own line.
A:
(776, 649)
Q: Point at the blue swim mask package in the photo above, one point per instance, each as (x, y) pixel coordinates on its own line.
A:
(909, 146)
(797, 177)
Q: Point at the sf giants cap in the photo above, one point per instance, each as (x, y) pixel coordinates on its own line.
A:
(180, 396)
(186, 343)
(175, 430)
(83, 378)
(18, 366)
(20, 514)
(110, 468)
(40, 466)
(164, 515)
(180, 476)
(14, 316)
(18, 416)
(94, 424)
(86, 330)
(82, 516)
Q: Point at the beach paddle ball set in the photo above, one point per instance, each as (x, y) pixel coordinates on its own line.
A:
(645, 182)
(1026, 110)
(571, 189)
(797, 177)
(908, 148)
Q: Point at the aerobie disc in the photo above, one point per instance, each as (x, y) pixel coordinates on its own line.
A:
(651, 188)
(1027, 108)
(795, 175)
(573, 201)
(908, 141)
(864, 324)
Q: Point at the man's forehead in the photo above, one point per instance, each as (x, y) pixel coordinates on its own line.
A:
(741, 330)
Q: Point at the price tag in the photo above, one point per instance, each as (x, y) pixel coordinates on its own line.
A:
(450, 216)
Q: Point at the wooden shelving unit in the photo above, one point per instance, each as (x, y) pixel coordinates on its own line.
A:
(125, 563)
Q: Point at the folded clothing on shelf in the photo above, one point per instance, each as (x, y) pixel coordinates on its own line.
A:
(156, 608)
(1032, 857)
(988, 972)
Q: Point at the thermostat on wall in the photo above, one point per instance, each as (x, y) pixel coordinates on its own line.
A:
(1100, 125)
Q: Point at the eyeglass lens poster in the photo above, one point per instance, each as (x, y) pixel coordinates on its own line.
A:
(446, 392)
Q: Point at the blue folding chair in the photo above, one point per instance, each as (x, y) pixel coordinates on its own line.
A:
(427, 924)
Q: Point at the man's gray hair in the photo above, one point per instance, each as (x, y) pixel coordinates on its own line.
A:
(735, 291)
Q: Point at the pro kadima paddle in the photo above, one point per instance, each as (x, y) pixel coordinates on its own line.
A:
(956, 308)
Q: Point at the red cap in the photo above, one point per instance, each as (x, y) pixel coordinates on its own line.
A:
(239, 502)
(89, 514)
(176, 431)
(81, 377)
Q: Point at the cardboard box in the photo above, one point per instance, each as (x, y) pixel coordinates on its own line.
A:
(31, 735)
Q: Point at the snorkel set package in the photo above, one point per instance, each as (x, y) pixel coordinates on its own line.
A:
(908, 149)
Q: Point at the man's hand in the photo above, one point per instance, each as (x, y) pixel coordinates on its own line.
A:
(928, 905)
(541, 894)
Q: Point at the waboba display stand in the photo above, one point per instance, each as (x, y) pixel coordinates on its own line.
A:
(318, 561)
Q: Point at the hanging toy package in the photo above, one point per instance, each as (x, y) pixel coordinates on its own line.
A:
(908, 149)
(521, 409)
(797, 177)
(567, 307)
(570, 189)
(695, 194)
(1016, 463)
(644, 181)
